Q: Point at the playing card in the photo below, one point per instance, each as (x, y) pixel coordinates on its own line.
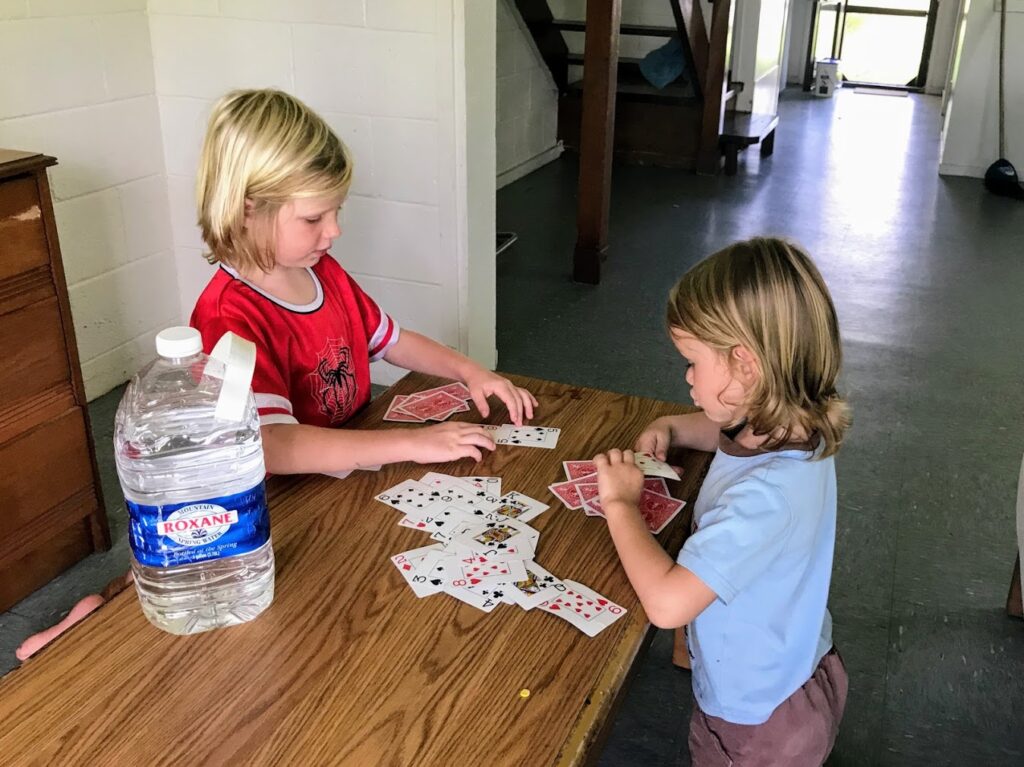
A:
(567, 493)
(524, 436)
(588, 491)
(456, 389)
(538, 586)
(409, 496)
(521, 507)
(474, 570)
(578, 469)
(409, 563)
(503, 539)
(395, 414)
(578, 602)
(483, 597)
(656, 485)
(463, 495)
(489, 485)
(439, 519)
(658, 510)
(431, 405)
(652, 467)
(462, 407)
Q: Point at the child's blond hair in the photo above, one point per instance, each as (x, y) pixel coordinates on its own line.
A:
(267, 147)
(767, 295)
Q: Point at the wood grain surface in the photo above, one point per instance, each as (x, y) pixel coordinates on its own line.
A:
(347, 666)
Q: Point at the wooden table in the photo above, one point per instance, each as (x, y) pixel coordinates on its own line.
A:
(348, 666)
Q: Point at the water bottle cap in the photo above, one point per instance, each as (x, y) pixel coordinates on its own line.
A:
(178, 342)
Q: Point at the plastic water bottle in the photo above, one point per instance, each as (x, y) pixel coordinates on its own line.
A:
(190, 460)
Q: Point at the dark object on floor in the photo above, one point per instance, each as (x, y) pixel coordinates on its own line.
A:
(504, 241)
(1001, 176)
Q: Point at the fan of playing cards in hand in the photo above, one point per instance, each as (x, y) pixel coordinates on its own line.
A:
(484, 554)
(657, 506)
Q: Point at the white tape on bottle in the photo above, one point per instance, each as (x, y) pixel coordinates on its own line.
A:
(239, 359)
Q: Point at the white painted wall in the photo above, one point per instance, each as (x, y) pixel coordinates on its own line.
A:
(527, 102)
(76, 82)
(119, 92)
(970, 140)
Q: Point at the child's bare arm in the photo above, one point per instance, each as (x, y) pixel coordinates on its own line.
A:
(424, 355)
(693, 430)
(672, 596)
(302, 449)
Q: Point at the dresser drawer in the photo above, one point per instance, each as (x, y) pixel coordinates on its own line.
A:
(25, 274)
(33, 341)
(22, 233)
(50, 464)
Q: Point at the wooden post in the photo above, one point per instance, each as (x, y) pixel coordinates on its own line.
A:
(597, 133)
(709, 156)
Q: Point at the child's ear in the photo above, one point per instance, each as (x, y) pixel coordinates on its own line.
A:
(745, 365)
(250, 206)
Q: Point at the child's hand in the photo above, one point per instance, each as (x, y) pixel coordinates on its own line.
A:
(619, 479)
(450, 442)
(655, 439)
(485, 383)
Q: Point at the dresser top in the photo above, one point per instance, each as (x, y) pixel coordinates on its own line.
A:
(13, 161)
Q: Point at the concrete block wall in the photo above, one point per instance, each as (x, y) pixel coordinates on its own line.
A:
(120, 90)
(76, 82)
(527, 100)
(372, 71)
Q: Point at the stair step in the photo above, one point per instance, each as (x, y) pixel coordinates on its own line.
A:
(577, 59)
(640, 30)
(638, 89)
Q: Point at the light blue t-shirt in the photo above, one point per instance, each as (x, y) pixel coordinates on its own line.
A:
(764, 534)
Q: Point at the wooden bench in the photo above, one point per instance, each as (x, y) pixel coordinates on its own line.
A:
(742, 129)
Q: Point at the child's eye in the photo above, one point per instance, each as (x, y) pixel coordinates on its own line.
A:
(314, 219)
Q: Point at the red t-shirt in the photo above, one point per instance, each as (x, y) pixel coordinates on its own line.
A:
(312, 361)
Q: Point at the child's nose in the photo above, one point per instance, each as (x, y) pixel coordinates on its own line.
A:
(689, 376)
(332, 229)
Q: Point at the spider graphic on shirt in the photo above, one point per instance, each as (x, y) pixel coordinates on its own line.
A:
(334, 382)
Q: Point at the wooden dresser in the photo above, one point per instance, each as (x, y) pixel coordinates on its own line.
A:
(51, 508)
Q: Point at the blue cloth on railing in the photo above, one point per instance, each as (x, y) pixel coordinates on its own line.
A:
(663, 65)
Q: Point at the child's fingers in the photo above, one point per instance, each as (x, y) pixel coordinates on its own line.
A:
(470, 452)
(478, 438)
(529, 403)
(480, 400)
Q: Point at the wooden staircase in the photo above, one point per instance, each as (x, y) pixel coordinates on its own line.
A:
(614, 111)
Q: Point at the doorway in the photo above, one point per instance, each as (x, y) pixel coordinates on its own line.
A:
(884, 43)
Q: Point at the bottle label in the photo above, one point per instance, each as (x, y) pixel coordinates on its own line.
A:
(199, 531)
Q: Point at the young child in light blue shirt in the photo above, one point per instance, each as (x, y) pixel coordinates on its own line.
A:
(759, 331)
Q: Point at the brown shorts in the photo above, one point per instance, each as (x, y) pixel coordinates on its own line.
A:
(799, 733)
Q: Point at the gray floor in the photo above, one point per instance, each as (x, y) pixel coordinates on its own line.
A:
(928, 276)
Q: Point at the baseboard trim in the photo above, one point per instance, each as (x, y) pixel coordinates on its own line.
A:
(529, 166)
(949, 169)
